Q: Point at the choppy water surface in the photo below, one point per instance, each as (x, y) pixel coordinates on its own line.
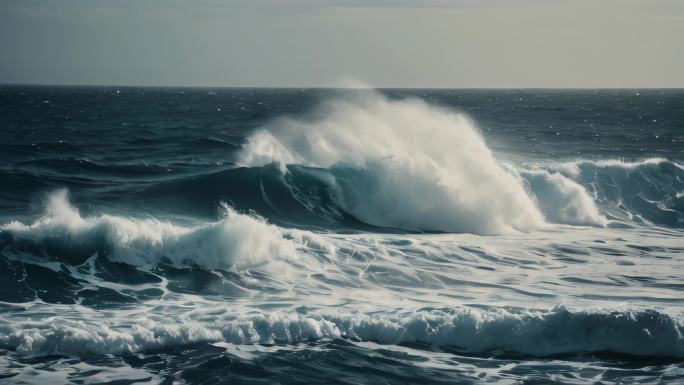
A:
(322, 236)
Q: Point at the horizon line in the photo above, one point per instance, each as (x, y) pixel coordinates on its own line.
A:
(75, 85)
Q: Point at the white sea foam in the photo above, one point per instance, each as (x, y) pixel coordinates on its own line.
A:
(573, 168)
(412, 165)
(237, 241)
(472, 330)
(561, 199)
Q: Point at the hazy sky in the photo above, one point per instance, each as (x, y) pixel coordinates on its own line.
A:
(382, 43)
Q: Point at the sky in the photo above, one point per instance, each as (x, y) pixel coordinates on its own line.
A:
(344, 43)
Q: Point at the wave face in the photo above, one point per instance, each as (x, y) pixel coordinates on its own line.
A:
(313, 197)
(317, 236)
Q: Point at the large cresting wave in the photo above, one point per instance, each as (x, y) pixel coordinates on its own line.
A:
(408, 165)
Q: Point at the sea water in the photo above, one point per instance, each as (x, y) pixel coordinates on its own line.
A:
(160, 235)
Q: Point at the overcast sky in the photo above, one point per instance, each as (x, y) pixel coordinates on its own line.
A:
(380, 43)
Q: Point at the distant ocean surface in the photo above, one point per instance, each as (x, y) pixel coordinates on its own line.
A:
(314, 236)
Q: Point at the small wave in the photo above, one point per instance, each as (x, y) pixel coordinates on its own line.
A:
(561, 199)
(647, 191)
(574, 168)
(466, 330)
(237, 241)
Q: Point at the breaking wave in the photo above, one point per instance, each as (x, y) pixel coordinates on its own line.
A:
(236, 241)
(647, 191)
(465, 330)
(402, 164)
(408, 165)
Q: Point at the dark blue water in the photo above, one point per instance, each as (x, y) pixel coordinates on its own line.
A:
(161, 235)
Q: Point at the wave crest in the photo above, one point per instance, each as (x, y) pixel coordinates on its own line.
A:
(647, 191)
(402, 164)
(561, 199)
(237, 241)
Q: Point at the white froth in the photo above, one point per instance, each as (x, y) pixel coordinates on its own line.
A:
(237, 241)
(572, 169)
(562, 200)
(536, 333)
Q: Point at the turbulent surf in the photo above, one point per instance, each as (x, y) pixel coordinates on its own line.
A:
(308, 236)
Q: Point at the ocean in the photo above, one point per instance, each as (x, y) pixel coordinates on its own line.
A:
(323, 236)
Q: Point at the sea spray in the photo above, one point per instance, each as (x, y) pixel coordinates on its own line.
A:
(402, 163)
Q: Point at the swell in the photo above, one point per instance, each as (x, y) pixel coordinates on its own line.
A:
(578, 193)
(491, 331)
(300, 197)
